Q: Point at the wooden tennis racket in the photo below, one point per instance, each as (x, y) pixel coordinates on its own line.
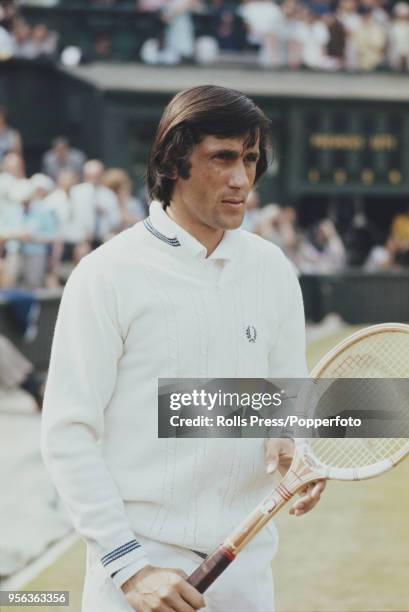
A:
(379, 351)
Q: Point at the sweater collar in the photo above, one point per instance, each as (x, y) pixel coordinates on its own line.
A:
(167, 230)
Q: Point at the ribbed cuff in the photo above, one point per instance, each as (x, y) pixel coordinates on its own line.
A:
(122, 556)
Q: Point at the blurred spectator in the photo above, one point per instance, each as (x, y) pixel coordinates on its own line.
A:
(6, 44)
(28, 231)
(179, 36)
(400, 235)
(12, 169)
(263, 20)
(348, 15)
(62, 157)
(369, 42)
(131, 209)
(97, 205)
(322, 252)
(253, 212)
(102, 47)
(381, 257)
(399, 37)
(225, 26)
(43, 41)
(337, 40)
(71, 243)
(10, 139)
(313, 36)
(290, 45)
(22, 40)
(278, 225)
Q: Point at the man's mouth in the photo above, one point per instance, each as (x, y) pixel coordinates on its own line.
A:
(233, 202)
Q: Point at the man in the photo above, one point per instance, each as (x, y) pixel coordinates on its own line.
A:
(62, 157)
(96, 205)
(172, 297)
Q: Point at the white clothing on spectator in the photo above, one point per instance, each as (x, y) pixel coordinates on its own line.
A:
(6, 44)
(313, 37)
(97, 209)
(261, 18)
(179, 33)
(149, 304)
(399, 41)
(72, 224)
(330, 259)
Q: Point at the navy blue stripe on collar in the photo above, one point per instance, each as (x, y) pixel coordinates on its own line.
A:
(171, 241)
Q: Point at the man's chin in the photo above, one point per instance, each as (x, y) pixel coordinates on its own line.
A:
(230, 222)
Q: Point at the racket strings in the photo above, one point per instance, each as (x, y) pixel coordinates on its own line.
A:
(354, 453)
(383, 355)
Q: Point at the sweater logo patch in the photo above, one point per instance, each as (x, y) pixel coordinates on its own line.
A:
(251, 333)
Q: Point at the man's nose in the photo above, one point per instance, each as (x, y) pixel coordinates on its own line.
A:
(239, 178)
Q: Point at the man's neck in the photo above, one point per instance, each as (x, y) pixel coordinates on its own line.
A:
(208, 236)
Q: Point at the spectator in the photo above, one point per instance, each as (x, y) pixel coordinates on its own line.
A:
(6, 44)
(348, 15)
(313, 37)
(263, 20)
(369, 42)
(131, 209)
(400, 235)
(322, 252)
(290, 46)
(226, 26)
(44, 42)
(179, 36)
(337, 40)
(22, 40)
(253, 212)
(62, 157)
(278, 225)
(12, 170)
(381, 257)
(71, 244)
(97, 205)
(29, 230)
(10, 139)
(399, 37)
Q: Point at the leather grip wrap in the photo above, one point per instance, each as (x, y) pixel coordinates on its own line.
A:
(211, 568)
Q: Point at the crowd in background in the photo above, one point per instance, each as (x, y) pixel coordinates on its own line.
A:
(50, 220)
(356, 35)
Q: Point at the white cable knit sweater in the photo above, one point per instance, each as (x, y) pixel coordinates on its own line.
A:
(148, 304)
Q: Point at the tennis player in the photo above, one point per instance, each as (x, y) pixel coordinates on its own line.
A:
(184, 294)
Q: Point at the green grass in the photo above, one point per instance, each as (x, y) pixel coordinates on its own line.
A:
(351, 554)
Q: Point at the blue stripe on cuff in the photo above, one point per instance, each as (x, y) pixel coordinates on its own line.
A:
(120, 552)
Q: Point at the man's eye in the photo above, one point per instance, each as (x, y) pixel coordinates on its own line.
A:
(252, 159)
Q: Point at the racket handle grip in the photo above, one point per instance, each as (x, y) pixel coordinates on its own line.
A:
(211, 568)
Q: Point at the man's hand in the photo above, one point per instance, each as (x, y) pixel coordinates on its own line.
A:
(157, 589)
(278, 456)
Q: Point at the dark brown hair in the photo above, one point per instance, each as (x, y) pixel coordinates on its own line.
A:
(190, 116)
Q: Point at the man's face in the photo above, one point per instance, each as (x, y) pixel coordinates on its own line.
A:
(222, 173)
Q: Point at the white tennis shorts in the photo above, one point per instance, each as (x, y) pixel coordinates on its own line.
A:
(245, 586)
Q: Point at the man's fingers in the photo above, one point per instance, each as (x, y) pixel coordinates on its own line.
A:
(318, 488)
(192, 596)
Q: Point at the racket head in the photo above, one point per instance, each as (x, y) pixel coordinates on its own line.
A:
(378, 351)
